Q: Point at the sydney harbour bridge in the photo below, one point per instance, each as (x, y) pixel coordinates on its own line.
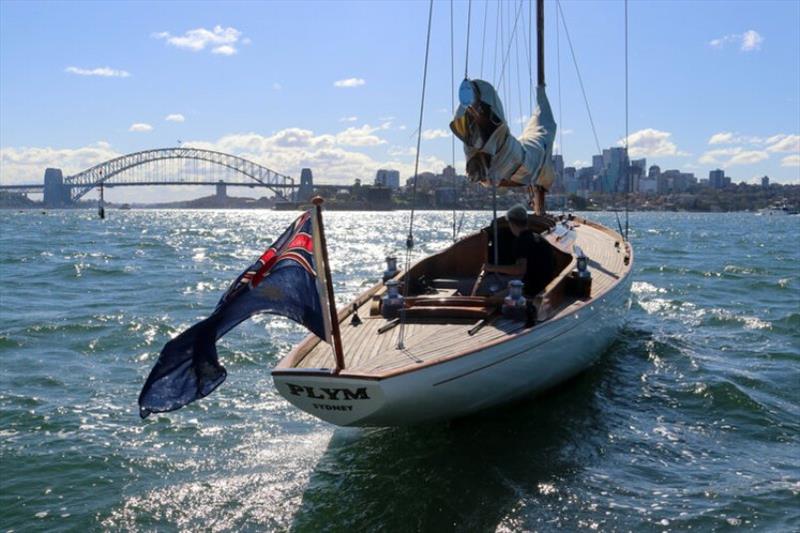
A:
(168, 166)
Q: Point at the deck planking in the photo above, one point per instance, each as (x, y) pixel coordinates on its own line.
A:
(368, 352)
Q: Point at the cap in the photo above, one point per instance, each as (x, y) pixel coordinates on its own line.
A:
(517, 213)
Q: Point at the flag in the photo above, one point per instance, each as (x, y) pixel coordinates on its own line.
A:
(287, 280)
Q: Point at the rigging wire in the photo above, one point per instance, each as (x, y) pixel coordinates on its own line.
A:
(483, 45)
(560, 114)
(453, 102)
(410, 238)
(519, 83)
(496, 35)
(469, 22)
(527, 36)
(511, 39)
(580, 78)
(627, 160)
(558, 70)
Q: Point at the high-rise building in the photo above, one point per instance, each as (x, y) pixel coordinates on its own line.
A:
(613, 176)
(558, 168)
(597, 164)
(388, 178)
(716, 178)
(570, 180)
(765, 181)
(648, 185)
(449, 173)
(654, 172)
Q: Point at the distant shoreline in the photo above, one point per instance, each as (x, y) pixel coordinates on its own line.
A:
(399, 209)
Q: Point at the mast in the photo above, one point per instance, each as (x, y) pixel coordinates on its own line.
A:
(336, 336)
(539, 192)
(540, 40)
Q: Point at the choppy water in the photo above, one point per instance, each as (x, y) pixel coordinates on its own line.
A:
(690, 421)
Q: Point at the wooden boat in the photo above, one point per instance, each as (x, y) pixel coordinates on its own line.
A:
(455, 352)
(460, 355)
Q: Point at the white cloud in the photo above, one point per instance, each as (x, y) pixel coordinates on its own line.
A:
(277, 86)
(784, 143)
(221, 41)
(224, 50)
(349, 82)
(727, 137)
(750, 149)
(715, 157)
(175, 117)
(289, 150)
(399, 151)
(651, 143)
(751, 40)
(747, 157)
(435, 134)
(286, 151)
(140, 126)
(747, 41)
(105, 72)
(348, 119)
(579, 163)
(729, 157)
(360, 136)
(27, 164)
(724, 137)
(791, 161)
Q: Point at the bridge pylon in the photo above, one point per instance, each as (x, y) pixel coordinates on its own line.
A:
(306, 190)
(55, 193)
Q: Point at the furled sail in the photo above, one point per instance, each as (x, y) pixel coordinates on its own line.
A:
(493, 153)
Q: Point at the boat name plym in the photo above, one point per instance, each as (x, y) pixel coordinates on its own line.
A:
(329, 394)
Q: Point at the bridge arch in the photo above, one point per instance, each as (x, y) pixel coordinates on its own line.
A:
(252, 173)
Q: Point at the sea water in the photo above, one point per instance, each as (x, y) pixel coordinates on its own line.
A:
(691, 419)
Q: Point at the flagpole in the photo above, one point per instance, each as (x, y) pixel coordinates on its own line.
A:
(335, 333)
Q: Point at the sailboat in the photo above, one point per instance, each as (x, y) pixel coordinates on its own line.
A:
(452, 334)
(424, 345)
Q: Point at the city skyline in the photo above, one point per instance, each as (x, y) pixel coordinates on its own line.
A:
(82, 83)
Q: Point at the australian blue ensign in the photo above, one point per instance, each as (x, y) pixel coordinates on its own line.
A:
(287, 280)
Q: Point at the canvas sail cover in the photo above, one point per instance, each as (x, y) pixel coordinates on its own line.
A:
(493, 153)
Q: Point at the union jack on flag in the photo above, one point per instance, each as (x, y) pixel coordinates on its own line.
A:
(287, 280)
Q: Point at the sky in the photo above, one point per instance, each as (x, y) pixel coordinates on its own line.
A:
(336, 86)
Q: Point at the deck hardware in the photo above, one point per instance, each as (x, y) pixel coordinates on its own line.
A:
(392, 302)
(389, 325)
(478, 326)
(355, 320)
(391, 268)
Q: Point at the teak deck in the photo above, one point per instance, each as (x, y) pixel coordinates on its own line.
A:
(370, 353)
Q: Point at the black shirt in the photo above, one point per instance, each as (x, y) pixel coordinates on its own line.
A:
(540, 260)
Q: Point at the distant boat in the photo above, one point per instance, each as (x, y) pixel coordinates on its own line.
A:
(782, 208)
(125, 207)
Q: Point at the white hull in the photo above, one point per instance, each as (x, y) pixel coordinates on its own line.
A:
(547, 355)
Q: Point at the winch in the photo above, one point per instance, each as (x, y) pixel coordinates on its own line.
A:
(392, 301)
(515, 306)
